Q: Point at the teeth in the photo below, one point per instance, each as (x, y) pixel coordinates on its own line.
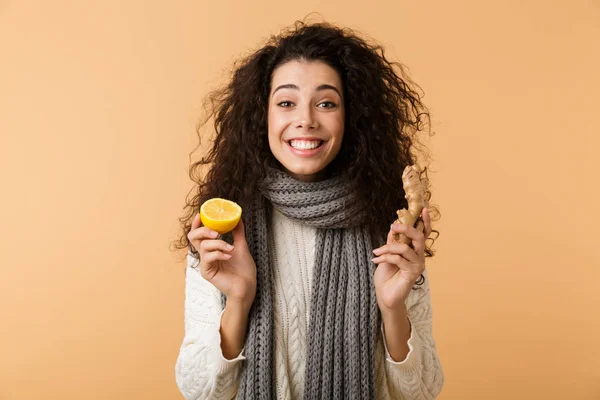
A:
(305, 144)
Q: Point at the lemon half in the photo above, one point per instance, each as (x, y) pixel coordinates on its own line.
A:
(220, 215)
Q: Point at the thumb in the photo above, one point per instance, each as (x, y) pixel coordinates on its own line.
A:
(239, 233)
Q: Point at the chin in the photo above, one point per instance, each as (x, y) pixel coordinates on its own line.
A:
(306, 174)
(303, 169)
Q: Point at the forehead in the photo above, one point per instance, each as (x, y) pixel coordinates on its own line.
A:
(305, 74)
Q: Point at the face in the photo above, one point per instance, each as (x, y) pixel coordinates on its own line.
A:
(306, 118)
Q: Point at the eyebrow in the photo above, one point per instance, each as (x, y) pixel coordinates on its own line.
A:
(319, 88)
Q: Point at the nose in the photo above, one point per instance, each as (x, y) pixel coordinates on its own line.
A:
(306, 119)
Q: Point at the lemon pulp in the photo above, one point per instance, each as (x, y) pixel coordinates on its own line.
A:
(220, 215)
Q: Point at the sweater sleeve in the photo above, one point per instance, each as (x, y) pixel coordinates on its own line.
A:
(201, 371)
(419, 375)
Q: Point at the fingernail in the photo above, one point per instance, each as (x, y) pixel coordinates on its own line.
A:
(229, 247)
(214, 234)
(376, 251)
(228, 255)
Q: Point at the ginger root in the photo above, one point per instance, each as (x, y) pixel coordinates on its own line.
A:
(417, 196)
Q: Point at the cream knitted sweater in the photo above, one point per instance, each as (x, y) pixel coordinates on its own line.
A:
(202, 373)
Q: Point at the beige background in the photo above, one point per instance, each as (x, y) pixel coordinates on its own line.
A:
(98, 104)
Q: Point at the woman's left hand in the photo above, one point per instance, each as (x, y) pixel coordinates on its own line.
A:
(400, 265)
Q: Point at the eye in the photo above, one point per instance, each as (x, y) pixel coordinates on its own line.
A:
(327, 104)
(285, 104)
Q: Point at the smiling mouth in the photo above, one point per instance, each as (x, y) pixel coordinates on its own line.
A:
(305, 144)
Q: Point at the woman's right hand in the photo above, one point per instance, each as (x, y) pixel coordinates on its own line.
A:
(230, 269)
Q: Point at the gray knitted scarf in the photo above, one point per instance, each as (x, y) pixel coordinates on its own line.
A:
(343, 316)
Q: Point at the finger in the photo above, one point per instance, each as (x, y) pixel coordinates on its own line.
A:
(214, 245)
(419, 245)
(427, 221)
(420, 225)
(202, 233)
(196, 236)
(196, 222)
(239, 233)
(213, 256)
(398, 248)
(391, 259)
(401, 263)
(409, 231)
(390, 237)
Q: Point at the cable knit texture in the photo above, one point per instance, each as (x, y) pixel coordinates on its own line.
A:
(342, 292)
(294, 249)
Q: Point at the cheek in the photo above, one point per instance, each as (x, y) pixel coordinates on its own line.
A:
(335, 124)
(337, 131)
(275, 124)
(336, 149)
(275, 128)
(337, 128)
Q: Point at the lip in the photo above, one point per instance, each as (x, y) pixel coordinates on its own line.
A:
(305, 153)
(306, 138)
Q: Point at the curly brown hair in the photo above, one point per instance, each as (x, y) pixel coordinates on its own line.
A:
(384, 115)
